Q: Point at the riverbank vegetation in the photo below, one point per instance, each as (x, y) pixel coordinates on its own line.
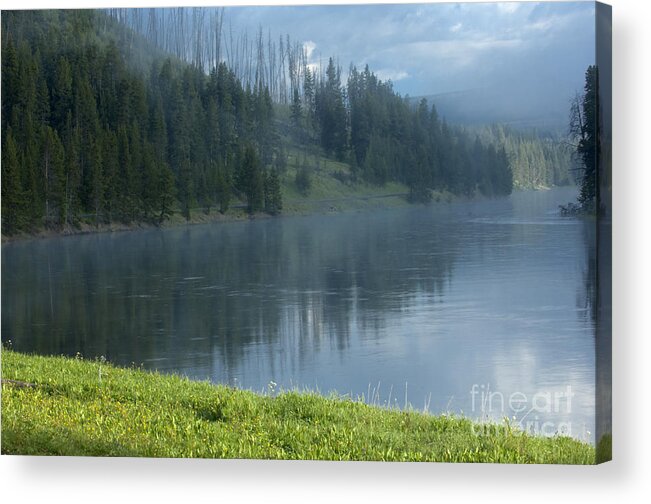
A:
(70, 406)
(585, 131)
(104, 125)
(585, 135)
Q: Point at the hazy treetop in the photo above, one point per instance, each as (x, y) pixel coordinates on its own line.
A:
(493, 62)
(524, 58)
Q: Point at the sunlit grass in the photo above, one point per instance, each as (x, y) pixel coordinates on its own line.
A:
(330, 193)
(80, 407)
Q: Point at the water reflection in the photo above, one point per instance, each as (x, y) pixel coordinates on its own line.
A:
(417, 302)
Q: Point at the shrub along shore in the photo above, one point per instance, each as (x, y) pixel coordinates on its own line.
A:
(69, 406)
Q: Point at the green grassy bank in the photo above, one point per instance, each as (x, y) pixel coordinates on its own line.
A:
(64, 406)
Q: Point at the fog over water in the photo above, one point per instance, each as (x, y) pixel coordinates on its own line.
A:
(430, 303)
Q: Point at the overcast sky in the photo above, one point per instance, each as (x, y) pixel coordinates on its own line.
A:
(524, 51)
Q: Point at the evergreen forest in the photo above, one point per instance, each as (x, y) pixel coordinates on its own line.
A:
(102, 122)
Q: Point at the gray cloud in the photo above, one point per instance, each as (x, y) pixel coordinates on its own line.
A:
(526, 56)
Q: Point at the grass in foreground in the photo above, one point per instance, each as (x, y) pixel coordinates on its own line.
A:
(82, 407)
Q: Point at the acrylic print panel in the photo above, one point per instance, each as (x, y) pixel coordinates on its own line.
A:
(352, 232)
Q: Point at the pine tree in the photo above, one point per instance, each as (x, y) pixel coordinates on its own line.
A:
(96, 180)
(13, 196)
(375, 162)
(179, 148)
(61, 92)
(42, 99)
(53, 173)
(584, 125)
(111, 175)
(158, 129)
(149, 183)
(252, 180)
(297, 112)
(309, 104)
(273, 198)
(125, 176)
(10, 84)
(223, 188)
(332, 113)
(166, 193)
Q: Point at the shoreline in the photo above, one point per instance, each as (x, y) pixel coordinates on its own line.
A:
(237, 213)
(76, 407)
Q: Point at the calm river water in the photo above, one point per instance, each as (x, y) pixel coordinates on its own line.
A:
(483, 308)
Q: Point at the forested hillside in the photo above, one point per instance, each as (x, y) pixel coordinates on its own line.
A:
(537, 160)
(86, 137)
(89, 135)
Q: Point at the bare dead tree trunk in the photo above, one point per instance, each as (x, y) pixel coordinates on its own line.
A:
(198, 19)
(152, 28)
(283, 80)
(219, 21)
(198, 38)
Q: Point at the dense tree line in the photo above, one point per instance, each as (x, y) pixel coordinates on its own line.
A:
(537, 160)
(386, 139)
(86, 137)
(89, 138)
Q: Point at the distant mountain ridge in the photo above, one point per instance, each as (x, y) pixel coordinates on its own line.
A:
(480, 106)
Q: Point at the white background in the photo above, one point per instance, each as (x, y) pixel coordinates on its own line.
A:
(626, 479)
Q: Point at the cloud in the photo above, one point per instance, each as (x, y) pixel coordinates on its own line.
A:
(309, 47)
(508, 7)
(451, 54)
(391, 75)
(534, 49)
